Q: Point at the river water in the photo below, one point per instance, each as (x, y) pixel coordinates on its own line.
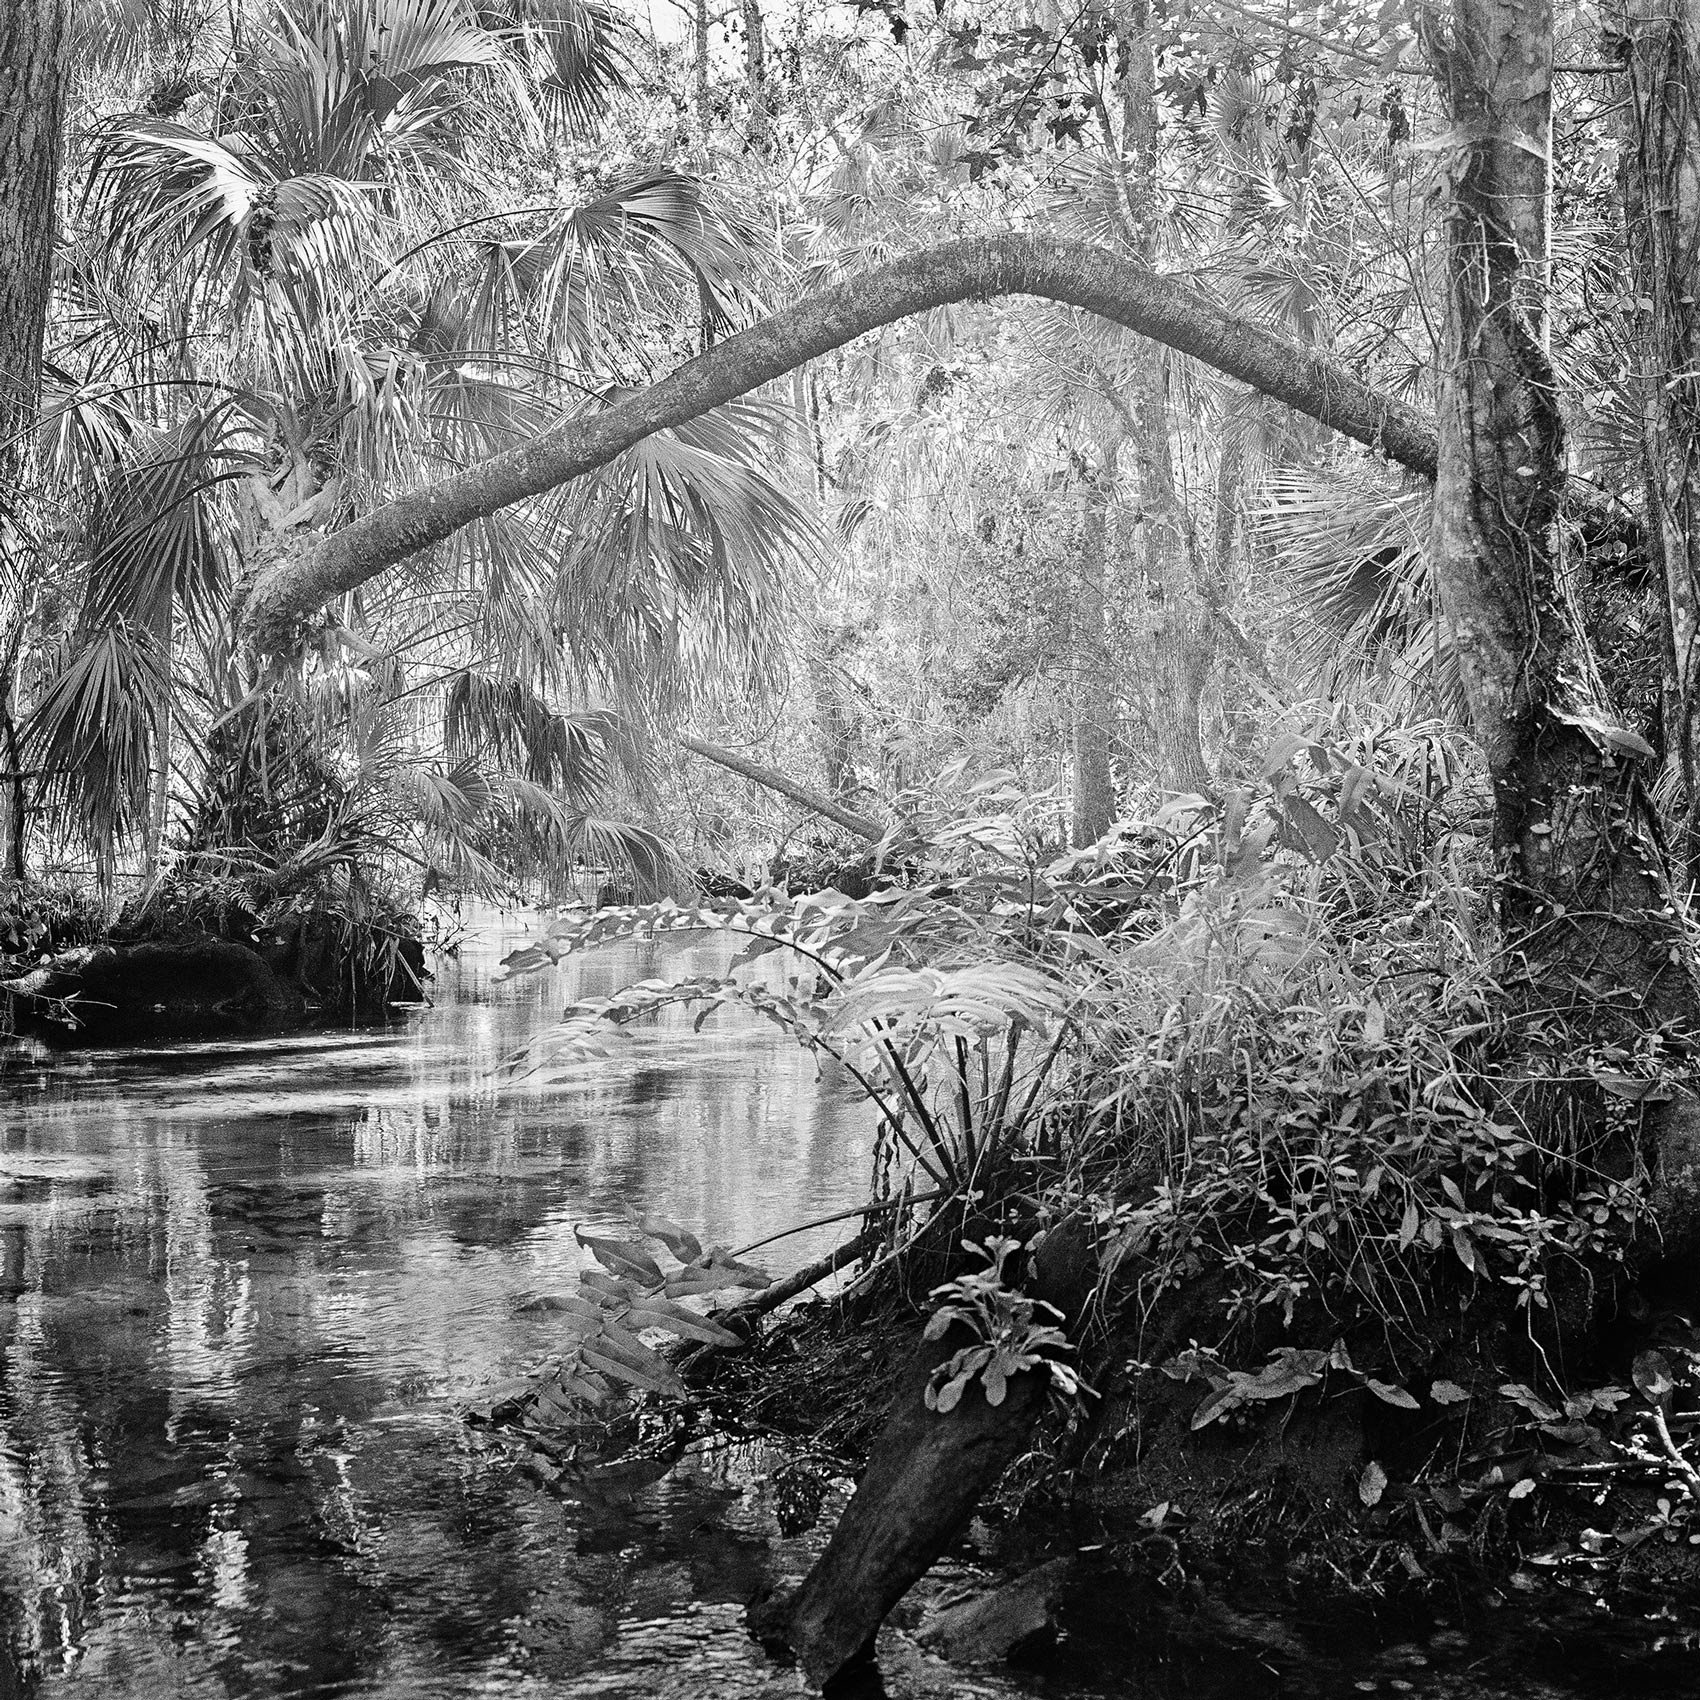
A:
(247, 1289)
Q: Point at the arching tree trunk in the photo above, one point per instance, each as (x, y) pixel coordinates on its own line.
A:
(1661, 190)
(298, 582)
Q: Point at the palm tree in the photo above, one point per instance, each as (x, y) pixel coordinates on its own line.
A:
(323, 282)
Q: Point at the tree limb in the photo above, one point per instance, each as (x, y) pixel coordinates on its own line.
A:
(296, 582)
(864, 826)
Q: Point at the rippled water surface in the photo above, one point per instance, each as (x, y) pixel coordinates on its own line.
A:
(245, 1289)
(244, 1286)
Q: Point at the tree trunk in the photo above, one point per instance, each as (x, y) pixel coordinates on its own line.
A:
(1092, 688)
(1661, 190)
(1592, 927)
(755, 76)
(32, 52)
(926, 1473)
(1182, 651)
(834, 719)
(699, 43)
(159, 801)
(32, 78)
(298, 582)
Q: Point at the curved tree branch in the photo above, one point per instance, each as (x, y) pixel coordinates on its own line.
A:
(294, 585)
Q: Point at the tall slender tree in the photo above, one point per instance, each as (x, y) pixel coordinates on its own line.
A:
(32, 99)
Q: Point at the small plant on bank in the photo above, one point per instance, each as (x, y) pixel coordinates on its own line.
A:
(1011, 1335)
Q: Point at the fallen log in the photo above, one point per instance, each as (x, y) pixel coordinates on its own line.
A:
(864, 826)
(811, 1274)
(927, 1471)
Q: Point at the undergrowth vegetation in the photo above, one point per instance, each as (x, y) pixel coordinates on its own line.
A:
(1270, 1046)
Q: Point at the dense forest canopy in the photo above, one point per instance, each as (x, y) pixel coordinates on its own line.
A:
(294, 297)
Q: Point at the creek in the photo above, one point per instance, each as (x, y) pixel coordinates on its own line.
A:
(248, 1288)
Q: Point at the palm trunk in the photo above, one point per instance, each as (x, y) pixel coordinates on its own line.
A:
(1661, 184)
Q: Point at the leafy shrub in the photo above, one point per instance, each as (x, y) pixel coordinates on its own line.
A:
(607, 1359)
(1270, 1038)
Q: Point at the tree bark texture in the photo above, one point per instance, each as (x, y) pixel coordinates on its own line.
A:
(1092, 683)
(32, 76)
(755, 75)
(32, 84)
(1585, 899)
(1660, 43)
(293, 587)
(1183, 651)
(1500, 474)
(699, 57)
(834, 715)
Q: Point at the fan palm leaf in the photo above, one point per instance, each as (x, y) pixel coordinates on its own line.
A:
(92, 734)
(1349, 548)
(505, 721)
(578, 282)
(577, 50)
(169, 198)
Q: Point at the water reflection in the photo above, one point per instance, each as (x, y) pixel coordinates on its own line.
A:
(243, 1285)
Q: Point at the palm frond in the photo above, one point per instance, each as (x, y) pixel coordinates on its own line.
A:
(578, 49)
(157, 540)
(684, 556)
(92, 734)
(579, 754)
(1350, 551)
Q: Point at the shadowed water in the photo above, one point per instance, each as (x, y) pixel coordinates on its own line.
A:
(246, 1287)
